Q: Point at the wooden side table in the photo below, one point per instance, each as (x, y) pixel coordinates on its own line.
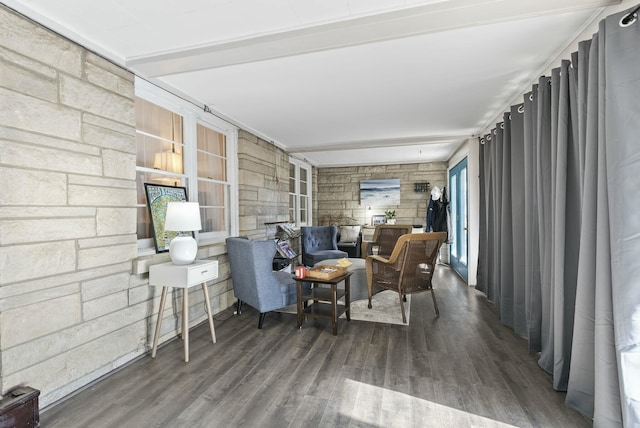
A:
(325, 300)
(167, 275)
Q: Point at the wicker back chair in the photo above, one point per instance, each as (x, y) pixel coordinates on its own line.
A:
(409, 269)
(385, 237)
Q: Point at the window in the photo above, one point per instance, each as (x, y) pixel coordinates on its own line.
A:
(299, 192)
(180, 145)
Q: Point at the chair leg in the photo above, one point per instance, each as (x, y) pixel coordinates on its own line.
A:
(404, 297)
(239, 307)
(435, 304)
(404, 317)
(261, 319)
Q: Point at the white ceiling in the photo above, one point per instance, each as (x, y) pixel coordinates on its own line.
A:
(337, 82)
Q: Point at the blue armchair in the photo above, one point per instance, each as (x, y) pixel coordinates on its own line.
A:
(254, 281)
(320, 243)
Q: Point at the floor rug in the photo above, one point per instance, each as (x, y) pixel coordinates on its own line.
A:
(385, 309)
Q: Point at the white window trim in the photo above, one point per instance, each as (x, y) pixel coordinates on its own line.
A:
(302, 164)
(191, 116)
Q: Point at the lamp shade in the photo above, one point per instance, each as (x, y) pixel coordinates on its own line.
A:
(168, 161)
(183, 217)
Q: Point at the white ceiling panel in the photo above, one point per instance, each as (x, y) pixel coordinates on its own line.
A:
(337, 82)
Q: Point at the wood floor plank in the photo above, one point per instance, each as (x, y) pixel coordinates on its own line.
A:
(460, 369)
(340, 408)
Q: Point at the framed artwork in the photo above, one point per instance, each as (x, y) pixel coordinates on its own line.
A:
(378, 219)
(158, 196)
(380, 193)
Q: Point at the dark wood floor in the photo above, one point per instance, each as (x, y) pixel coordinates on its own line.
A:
(462, 369)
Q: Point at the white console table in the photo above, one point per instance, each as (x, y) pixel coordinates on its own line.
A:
(167, 275)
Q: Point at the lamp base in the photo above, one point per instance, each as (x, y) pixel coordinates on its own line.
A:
(183, 250)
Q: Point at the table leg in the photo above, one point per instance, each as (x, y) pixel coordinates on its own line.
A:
(207, 305)
(163, 298)
(334, 310)
(299, 302)
(185, 323)
(347, 297)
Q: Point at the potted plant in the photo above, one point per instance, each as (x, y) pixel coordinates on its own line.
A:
(391, 216)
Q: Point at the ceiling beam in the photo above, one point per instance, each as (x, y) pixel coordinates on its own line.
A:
(424, 19)
(382, 143)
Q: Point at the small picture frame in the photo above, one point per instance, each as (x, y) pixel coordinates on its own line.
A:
(158, 196)
(378, 219)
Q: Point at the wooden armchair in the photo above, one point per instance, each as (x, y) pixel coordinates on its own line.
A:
(409, 269)
(385, 237)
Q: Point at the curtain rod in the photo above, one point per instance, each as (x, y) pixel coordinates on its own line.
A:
(630, 17)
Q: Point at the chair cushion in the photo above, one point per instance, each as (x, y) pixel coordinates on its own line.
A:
(317, 256)
(349, 233)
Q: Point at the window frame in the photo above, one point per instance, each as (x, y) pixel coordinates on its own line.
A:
(299, 164)
(191, 117)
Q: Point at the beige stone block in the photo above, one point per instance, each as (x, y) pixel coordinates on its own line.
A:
(49, 159)
(109, 81)
(248, 195)
(116, 221)
(33, 114)
(87, 97)
(25, 299)
(45, 229)
(28, 63)
(28, 322)
(119, 164)
(256, 166)
(102, 256)
(31, 40)
(246, 138)
(101, 196)
(107, 138)
(20, 136)
(41, 284)
(29, 83)
(250, 178)
(144, 293)
(126, 128)
(50, 187)
(59, 342)
(104, 305)
(109, 67)
(100, 287)
(248, 223)
(96, 181)
(23, 262)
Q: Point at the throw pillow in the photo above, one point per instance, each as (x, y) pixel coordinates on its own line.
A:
(349, 233)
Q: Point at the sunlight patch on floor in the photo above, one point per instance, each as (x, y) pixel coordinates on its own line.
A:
(377, 406)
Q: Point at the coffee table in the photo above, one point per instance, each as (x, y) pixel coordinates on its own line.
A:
(324, 299)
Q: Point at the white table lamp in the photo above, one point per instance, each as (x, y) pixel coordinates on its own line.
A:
(184, 218)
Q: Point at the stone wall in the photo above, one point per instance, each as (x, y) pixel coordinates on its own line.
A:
(74, 297)
(263, 177)
(337, 195)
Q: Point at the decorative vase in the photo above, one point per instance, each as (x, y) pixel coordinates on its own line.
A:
(391, 221)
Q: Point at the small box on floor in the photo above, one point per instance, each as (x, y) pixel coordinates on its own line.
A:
(19, 408)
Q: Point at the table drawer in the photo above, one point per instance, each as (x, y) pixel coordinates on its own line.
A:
(183, 276)
(200, 274)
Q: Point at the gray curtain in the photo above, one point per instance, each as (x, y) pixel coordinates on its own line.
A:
(560, 223)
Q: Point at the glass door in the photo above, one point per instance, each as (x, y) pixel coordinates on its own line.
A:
(459, 235)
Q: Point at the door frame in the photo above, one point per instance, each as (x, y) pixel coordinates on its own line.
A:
(459, 230)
